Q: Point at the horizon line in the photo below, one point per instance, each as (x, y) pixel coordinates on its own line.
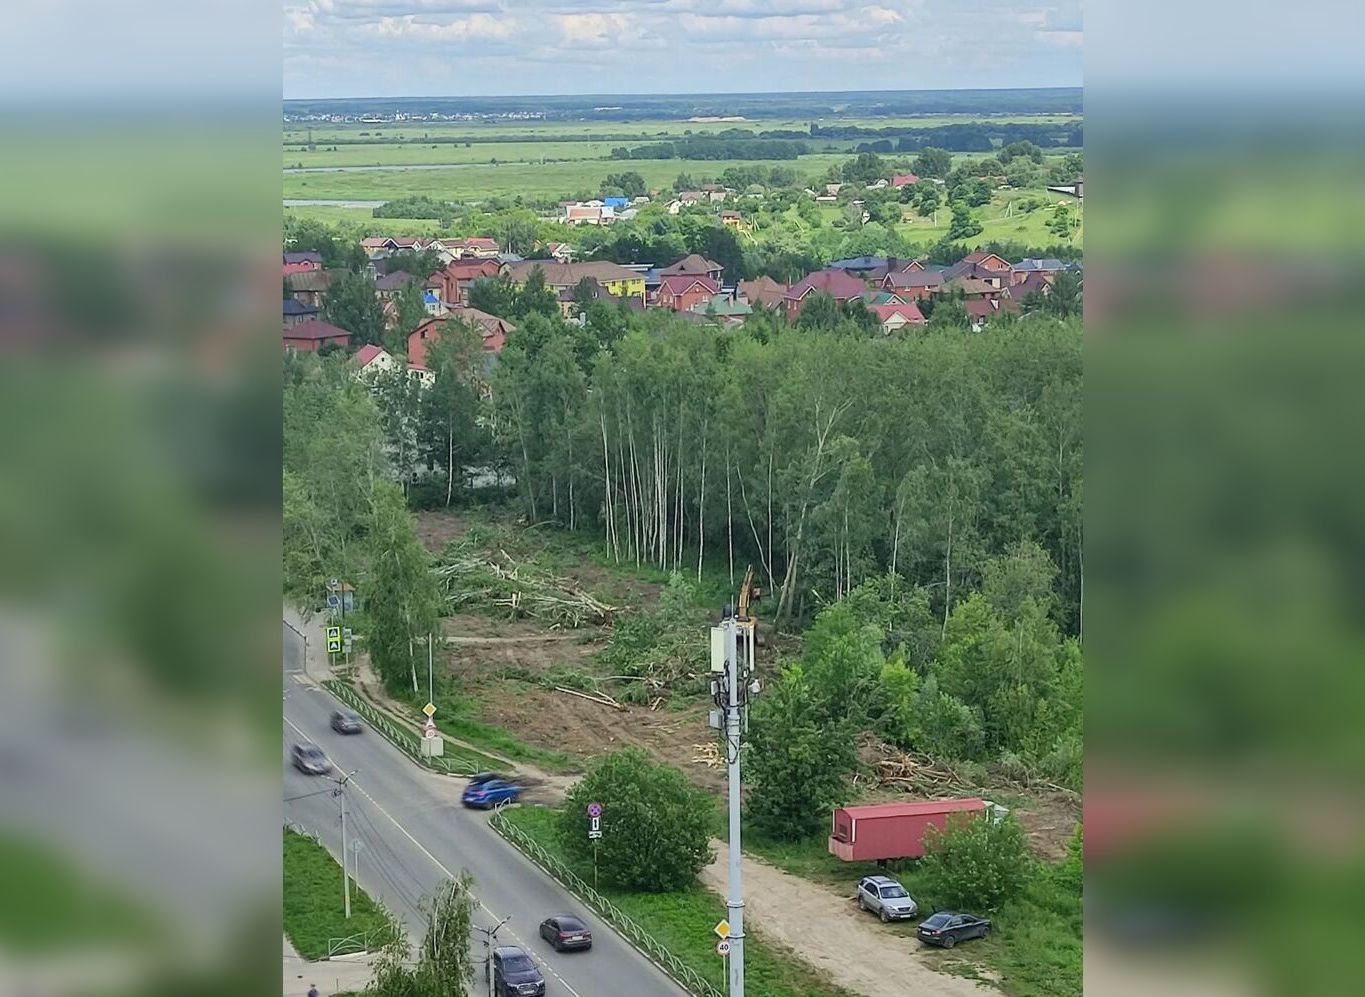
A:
(685, 93)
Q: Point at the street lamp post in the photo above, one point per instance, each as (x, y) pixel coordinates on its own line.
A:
(489, 935)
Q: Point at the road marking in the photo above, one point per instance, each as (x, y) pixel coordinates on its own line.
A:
(440, 865)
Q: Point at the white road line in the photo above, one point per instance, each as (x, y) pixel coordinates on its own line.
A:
(437, 862)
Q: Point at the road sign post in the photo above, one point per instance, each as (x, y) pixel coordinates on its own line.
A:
(333, 640)
(594, 835)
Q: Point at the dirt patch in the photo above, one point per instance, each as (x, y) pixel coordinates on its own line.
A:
(437, 527)
(556, 721)
(1050, 823)
(831, 934)
(481, 649)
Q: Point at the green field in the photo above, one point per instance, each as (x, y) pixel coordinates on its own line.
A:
(550, 182)
(314, 909)
(393, 154)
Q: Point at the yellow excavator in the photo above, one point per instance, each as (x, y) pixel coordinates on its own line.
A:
(749, 592)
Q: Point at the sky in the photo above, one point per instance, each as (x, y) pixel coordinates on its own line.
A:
(424, 48)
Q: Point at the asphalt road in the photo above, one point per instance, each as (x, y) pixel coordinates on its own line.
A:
(414, 833)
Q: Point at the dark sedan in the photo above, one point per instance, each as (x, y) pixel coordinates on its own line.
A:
(309, 759)
(947, 928)
(564, 931)
(346, 722)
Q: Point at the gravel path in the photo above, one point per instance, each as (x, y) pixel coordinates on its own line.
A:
(831, 934)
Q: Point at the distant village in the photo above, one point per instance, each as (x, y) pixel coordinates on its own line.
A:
(693, 287)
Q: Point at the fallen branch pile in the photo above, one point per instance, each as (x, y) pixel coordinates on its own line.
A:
(923, 776)
(470, 577)
(908, 772)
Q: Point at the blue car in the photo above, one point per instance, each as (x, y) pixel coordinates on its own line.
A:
(487, 790)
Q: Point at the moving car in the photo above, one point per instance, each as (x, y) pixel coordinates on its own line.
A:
(346, 722)
(564, 931)
(309, 759)
(947, 928)
(488, 789)
(515, 973)
(887, 897)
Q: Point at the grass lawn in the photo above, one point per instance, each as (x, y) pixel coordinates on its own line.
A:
(454, 718)
(364, 216)
(47, 904)
(314, 909)
(682, 922)
(551, 181)
(1035, 942)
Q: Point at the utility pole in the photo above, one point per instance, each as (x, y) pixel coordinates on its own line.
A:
(340, 793)
(731, 689)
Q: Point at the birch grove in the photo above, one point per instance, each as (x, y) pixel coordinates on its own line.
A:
(841, 456)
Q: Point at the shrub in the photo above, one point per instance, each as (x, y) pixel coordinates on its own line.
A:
(977, 863)
(655, 824)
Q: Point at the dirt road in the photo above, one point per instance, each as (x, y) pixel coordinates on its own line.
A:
(831, 934)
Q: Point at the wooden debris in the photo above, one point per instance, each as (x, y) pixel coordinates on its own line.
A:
(471, 577)
(601, 698)
(707, 754)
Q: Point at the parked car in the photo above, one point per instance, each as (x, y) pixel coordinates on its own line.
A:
(515, 973)
(309, 759)
(887, 897)
(564, 931)
(488, 789)
(346, 722)
(947, 928)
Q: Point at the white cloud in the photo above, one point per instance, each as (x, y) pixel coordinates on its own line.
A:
(593, 28)
(677, 45)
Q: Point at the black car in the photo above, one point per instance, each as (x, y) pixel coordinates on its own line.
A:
(564, 931)
(309, 759)
(947, 928)
(515, 973)
(346, 722)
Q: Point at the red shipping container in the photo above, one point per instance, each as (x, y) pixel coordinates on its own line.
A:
(892, 830)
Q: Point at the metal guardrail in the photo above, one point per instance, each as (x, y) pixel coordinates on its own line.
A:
(350, 945)
(683, 974)
(404, 740)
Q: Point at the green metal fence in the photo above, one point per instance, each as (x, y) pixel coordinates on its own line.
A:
(683, 974)
(405, 740)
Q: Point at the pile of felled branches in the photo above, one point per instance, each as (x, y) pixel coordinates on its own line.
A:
(471, 578)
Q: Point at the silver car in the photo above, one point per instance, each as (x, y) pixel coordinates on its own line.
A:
(887, 897)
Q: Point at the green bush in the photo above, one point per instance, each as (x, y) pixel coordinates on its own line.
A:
(655, 824)
(977, 863)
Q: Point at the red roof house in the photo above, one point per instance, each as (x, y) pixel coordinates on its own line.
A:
(494, 330)
(763, 291)
(682, 292)
(836, 283)
(904, 180)
(893, 318)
